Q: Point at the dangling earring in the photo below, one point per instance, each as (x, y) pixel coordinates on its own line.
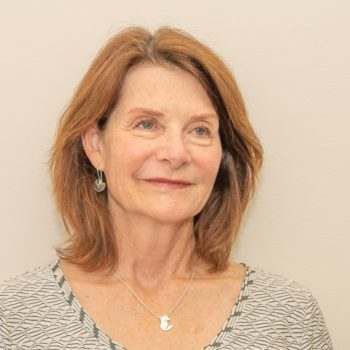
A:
(99, 185)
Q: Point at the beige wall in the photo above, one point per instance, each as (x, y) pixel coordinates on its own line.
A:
(291, 60)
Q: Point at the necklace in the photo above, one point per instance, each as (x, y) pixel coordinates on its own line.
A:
(165, 322)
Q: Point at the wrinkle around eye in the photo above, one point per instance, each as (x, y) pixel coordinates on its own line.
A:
(207, 126)
(142, 121)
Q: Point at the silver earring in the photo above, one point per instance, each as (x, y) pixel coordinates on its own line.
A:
(100, 185)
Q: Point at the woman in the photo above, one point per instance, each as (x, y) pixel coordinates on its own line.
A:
(153, 166)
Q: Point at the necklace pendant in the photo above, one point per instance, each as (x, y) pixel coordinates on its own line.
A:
(165, 323)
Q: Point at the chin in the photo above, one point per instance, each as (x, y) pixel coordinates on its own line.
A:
(172, 217)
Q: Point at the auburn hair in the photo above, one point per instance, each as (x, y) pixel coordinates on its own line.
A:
(90, 240)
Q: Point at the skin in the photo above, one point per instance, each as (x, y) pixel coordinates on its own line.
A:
(154, 225)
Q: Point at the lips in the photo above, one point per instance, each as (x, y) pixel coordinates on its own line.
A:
(169, 181)
(167, 185)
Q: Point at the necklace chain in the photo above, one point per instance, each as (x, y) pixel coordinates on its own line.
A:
(165, 319)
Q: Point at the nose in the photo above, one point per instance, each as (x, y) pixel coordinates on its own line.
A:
(174, 149)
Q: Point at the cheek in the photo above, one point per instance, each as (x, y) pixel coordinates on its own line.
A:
(209, 164)
(125, 159)
(128, 160)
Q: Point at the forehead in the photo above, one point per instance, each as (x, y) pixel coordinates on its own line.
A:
(164, 88)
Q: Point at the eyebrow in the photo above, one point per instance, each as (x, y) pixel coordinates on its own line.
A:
(160, 114)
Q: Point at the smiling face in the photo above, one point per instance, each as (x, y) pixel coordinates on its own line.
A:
(164, 125)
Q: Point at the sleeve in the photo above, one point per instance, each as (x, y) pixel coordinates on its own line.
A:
(5, 342)
(315, 332)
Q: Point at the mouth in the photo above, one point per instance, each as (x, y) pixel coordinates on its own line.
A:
(168, 184)
(166, 180)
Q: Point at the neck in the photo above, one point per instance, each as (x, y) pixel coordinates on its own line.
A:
(153, 254)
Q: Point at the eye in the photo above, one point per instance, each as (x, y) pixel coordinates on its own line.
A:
(145, 122)
(207, 131)
(147, 125)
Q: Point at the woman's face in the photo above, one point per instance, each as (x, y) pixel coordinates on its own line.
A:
(155, 131)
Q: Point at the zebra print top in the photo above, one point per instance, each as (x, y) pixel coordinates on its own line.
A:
(38, 311)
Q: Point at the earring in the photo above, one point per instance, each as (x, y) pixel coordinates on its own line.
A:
(100, 185)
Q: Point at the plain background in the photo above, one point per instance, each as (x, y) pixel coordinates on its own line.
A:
(291, 61)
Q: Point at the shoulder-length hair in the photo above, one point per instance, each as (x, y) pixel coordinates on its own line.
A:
(90, 240)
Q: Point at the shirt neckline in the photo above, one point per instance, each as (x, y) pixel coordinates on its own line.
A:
(217, 342)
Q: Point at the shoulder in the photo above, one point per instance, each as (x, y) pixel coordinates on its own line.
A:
(274, 284)
(23, 298)
(289, 306)
(26, 288)
(278, 296)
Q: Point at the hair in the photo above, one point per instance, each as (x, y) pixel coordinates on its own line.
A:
(91, 241)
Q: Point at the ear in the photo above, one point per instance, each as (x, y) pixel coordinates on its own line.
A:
(92, 141)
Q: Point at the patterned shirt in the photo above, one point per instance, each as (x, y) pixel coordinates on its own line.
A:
(39, 311)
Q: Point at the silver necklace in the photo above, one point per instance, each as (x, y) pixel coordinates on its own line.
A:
(165, 322)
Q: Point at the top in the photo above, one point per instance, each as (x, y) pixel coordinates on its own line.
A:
(38, 310)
